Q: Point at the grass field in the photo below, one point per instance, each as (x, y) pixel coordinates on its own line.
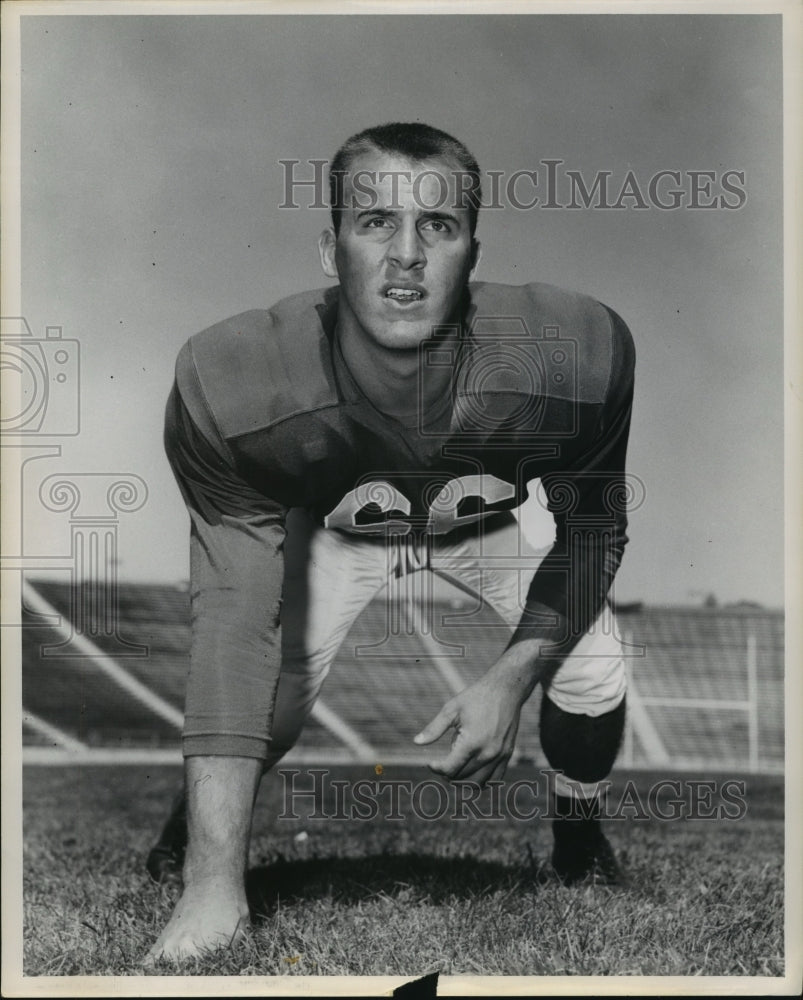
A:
(385, 897)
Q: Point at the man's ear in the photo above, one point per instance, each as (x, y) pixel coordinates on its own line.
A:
(476, 256)
(326, 248)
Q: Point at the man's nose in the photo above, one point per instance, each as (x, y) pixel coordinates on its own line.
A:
(406, 249)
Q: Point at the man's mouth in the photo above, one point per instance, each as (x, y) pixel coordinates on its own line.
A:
(401, 293)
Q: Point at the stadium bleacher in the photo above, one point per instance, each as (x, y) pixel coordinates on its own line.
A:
(694, 701)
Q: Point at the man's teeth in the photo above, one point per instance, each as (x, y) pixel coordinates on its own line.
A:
(404, 294)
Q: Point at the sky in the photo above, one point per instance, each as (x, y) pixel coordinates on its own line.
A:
(150, 210)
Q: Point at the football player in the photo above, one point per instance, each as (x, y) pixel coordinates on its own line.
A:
(380, 427)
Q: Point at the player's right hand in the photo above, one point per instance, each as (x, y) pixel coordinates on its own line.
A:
(485, 720)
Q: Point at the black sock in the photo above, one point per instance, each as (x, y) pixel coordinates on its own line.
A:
(575, 821)
(584, 748)
(174, 832)
(581, 850)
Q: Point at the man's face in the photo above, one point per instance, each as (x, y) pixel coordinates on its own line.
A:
(404, 252)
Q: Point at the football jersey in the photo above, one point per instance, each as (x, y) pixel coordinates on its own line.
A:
(265, 416)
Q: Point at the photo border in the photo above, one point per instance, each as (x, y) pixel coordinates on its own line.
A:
(13, 981)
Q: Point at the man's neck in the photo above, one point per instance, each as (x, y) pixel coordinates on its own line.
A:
(394, 381)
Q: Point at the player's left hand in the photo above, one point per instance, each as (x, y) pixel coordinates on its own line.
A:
(485, 718)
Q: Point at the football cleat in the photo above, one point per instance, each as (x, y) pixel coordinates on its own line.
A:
(165, 859)
(587, 858)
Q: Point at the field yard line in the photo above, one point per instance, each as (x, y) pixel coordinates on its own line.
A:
(35, 602)
(337, 726)
(152, 756)
(713, 704)
(643, 725)
(55, 757)
(51, 732)
(448, 671)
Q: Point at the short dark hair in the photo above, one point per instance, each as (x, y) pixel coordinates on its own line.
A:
(414, 141)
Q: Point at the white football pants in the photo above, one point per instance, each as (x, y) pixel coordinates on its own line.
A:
(330, 577)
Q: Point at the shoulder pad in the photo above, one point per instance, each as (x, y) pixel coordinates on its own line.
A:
(259, 367)
(541, 314)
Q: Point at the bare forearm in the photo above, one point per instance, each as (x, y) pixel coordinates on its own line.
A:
(535, 652)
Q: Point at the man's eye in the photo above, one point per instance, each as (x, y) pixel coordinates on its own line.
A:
(376, 223)
(437, 225)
